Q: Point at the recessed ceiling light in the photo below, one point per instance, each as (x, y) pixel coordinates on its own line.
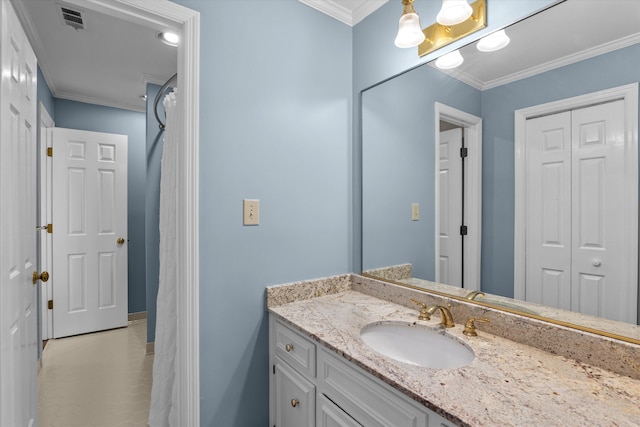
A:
(169, 38)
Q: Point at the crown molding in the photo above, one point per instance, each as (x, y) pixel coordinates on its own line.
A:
(98, 101)
(541, 68)
(350, 15)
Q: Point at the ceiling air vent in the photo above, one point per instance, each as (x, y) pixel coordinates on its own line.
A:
(72, 18)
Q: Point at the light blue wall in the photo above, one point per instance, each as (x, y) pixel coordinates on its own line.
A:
(152, 204)
(498, 105)
(78, 115)
(275, 113)
(399, 166)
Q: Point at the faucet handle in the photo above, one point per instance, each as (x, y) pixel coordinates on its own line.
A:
(423, 310)
(470, 327)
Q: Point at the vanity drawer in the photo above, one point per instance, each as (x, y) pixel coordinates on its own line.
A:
(370, 403)
(295, 349)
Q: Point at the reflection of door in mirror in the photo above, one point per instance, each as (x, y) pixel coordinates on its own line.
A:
(576, 235)
(458, 197)
(451, 206)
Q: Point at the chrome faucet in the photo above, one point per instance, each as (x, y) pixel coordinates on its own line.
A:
(446, 319)
(473, 295)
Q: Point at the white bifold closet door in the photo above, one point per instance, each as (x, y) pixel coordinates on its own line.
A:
(575, 236)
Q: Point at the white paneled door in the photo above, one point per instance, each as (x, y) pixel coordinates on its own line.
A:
(89, 231)
(450, 205)
(575, 228)
(18, 251)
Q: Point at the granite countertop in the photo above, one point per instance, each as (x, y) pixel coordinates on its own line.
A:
(507, 384)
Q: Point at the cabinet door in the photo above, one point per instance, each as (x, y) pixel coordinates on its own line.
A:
(295, 398)
(329, 415)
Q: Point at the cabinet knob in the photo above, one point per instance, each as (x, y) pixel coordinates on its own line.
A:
(288, 347)
(294, 402)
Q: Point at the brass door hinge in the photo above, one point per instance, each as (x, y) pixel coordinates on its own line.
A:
(50, 304)
(50, 151)
(49, 228)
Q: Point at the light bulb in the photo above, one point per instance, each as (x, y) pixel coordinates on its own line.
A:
(409, 32)
(454, 12)
(493, 42)
(169, 38)
(450, 60)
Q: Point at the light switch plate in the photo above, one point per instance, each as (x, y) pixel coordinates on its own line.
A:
(415, 212)
(251, 212)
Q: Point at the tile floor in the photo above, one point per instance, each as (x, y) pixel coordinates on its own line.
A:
(97, 380)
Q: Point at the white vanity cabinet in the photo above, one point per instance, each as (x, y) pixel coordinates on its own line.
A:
(311, 386)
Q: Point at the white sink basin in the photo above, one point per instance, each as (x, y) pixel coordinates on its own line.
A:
(417, 345)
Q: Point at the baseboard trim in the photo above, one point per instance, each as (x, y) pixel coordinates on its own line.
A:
(137, 316)
(151, 347)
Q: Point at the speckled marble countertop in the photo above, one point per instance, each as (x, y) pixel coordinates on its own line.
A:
(507, 384)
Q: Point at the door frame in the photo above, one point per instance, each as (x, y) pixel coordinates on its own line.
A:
(166, 15)
(472, 131)
(45, 245)
(627, 93)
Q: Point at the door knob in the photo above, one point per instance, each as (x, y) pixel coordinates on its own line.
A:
(44, 277)
(120, 241)
(596, 262)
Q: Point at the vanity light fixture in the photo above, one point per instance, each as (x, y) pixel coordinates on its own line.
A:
(450, 60)
(437, 35)
(409, 30)
(169, 38)
(494, 41)
(454, 12)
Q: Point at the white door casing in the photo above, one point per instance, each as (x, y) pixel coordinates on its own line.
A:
(450, 167)
(46, 239)
(588, 233)
(18, 252)
(473, 190)
(89, 216)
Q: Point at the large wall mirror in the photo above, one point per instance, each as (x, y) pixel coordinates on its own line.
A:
(541, 215)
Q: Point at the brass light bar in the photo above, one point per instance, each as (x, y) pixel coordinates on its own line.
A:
(438, 35)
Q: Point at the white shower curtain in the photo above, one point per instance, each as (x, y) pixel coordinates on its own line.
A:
(163, 390)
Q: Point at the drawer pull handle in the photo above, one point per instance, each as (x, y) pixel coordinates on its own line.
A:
(294, 402)
(289, 347)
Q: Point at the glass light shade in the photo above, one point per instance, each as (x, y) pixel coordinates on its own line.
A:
(450, 60)
(454, 12)
(409, 31)
(493, 42)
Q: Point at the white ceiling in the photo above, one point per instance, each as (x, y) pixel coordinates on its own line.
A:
(111, 60)
(107, 63)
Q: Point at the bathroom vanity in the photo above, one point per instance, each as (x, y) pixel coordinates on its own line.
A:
(323, 374)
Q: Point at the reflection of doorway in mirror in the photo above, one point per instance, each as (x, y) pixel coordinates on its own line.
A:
(458, 197)
(576, 221)
(451, 201)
